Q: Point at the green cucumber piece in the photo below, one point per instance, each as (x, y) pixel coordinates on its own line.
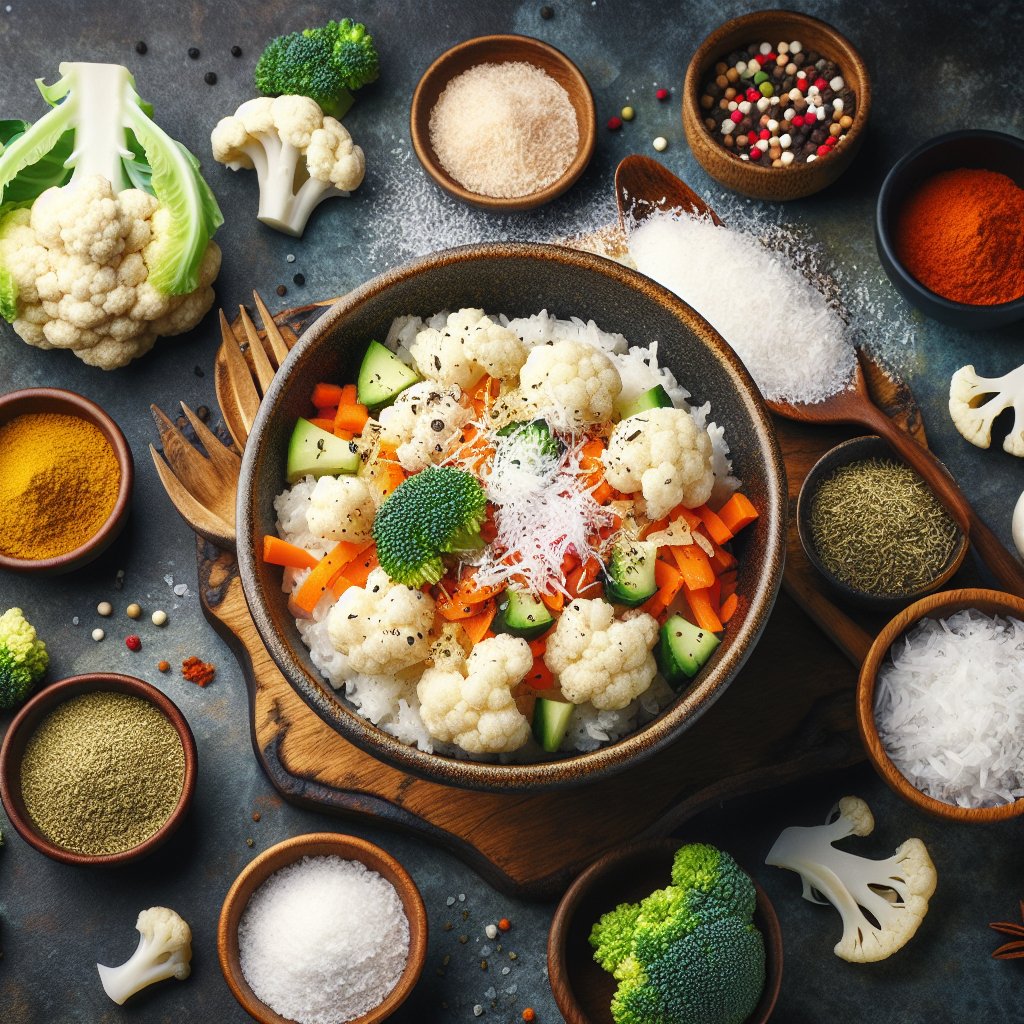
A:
(683, 650)
(551, 722)
(656, 398)
(382, 376)
(314, 452)
(630, 573)
(539, 433)
(522, 614)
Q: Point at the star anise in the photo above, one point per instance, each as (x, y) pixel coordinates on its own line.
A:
(1010, 950)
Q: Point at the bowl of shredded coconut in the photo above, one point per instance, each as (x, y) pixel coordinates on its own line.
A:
(519, 578)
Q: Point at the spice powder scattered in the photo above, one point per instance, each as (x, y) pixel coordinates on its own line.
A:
(102, 773)
(59, 480)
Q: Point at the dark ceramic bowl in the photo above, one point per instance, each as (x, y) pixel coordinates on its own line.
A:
(67, 403)
(991, 151)
(24, 725)
(582, 989)
(517, 279)
(842, 455)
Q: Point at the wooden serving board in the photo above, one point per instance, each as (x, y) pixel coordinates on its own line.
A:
(789, 714)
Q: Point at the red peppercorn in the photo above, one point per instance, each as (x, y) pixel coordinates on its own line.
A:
(764, 134)
(735, 117)
(614, 124)
(504, 924)
(820, 83)
(797, 121)
(822, 150)
(802, 84)
(831, 141)
(755, 153)
(133, 643)
(753, 95)
(770, 57)
(662, 94)
(529, 1014)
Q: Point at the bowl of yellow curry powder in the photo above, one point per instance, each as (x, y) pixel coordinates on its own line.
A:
(66, 476)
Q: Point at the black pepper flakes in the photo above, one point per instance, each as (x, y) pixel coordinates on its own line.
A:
(281, 290)
(193, 53)
(236, 51)
(547, 13)
(299, 279)
(140, 47)
(210, 78)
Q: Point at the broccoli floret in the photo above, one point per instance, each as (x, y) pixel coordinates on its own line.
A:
(435, 512)
(711, 872)
(326, 64)
(23, 658)
(612, 936)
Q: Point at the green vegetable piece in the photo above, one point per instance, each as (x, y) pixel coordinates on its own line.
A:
(551, 722)
(382, 376)
(326, 64)
(312, 451)
(683, 650)
(630, 573)
(521, 614)
(23, 659)
(656, 398)
(438, 511)
(536, 432)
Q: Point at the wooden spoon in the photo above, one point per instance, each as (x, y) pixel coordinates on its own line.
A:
(643, 186)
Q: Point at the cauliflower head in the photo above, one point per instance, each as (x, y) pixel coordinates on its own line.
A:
(421, 421)
(341, 508)
(976, 401)
(471, 704)
(470, 345)
(599, 659)
(383, 627)
(572, 383)
(80, 261)
(663, 454)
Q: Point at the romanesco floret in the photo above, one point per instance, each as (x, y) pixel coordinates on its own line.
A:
(473, 706)
(435, 512)
(341, 508)
(383, 627)
(421, 421)
(470, 345)
(572, 384)
(23, 658)
(599, 659)
(664, 454)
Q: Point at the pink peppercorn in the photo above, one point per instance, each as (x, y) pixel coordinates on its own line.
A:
(661, 94)
(822, 150)
(755, 153)
(736, 117)
(764, 134)
(797, 121)
(831, 141)
(614, 124)
(802, 84)
(133, 643)
(820, 83)
(753, 95)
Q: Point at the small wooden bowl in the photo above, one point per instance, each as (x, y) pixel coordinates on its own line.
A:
(582, 989)
(744, 176)
(854, 450)
(56, 400)
(24, 725)
(502, 50)
(936, 606)
(320, 844)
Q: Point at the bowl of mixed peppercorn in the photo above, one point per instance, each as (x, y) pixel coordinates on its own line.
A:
(775, 104)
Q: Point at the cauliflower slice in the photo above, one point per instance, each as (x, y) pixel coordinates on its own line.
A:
(664, 454)
(470, 345)
(382, 628)
(421, 421)
(572, 384)
(340, 508)
(598, 659)
(975, 402)
(471, 704)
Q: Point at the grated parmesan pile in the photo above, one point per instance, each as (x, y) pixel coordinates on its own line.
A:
(949, 706)
(504, 130)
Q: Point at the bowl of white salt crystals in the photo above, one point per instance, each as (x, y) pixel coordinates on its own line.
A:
(940, 705)
(322, 929)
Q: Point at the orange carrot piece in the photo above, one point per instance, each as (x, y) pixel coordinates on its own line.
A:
(281, 552)
(476, 626)
(737, 512)
(392, 476)
(722, 560)
(540, 676)
(603, 492)
(339, 585)
(349, 395)
(452, 610)
(345, 435)
(469, 593)
(388, 452)
(717, 530)
(728, 587)
(326, 395)
(657, 527)
(538, 647)
(351, 417)
(319, 580)
(669, 581)
(360, 567)
(323, 424)
(694, 565)
(689, 516)
(729, 606)
(554, 602)
(700, 604)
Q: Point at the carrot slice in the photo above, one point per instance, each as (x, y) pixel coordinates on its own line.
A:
(360, 567)
(469, 593)
(323, 423)
(388, 452)
(555, 602)
(669, 581)
(728, 585)
(722, 560)
(603, 492)
(351, 417)
(281, 552)
(737, 512)
(729, 606)
(700, 604)
(694, 565)
(392, 476)
(349, 395)
(540, 676)
(476, 626)
(718, 531)
(538, 646)
(319, 580)
(326, 395)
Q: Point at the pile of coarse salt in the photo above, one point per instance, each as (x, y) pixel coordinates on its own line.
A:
(949, 706)
(504, 130)
(792, 341)
(323, 940)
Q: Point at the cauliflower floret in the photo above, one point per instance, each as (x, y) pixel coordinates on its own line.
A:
(599, 659)
(470, 345)
(472, 704)
(571, 383)
(664, 454)
(421, 421)
(383, 627)
(340, 508)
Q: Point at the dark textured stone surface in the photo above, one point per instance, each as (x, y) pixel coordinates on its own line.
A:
(936, 67)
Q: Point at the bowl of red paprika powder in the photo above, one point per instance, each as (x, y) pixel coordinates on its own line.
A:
(949, 227)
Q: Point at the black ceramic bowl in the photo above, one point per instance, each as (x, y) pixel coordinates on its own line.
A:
(517, 279)
(992, 151)
(858, 448)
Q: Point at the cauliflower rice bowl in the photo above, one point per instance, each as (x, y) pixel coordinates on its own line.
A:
(510, 540)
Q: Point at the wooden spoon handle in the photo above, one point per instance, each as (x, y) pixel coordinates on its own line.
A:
(1004, 567)
(851, 640)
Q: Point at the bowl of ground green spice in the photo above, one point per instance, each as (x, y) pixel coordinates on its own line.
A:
(873, 528)
(97, 769)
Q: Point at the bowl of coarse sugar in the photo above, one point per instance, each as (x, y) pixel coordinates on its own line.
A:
(503, 122)
(66, 476)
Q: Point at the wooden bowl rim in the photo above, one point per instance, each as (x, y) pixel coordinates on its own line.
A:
(45, 701)
(809, 487)
(593, 876)
(520, 48)
(318, 844)
(946, 602)
(74, 405)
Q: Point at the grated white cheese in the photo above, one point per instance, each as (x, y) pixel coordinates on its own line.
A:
(949, 706)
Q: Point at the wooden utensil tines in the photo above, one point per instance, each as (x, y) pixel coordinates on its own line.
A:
(643, 186)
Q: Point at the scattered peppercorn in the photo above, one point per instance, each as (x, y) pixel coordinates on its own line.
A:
(159, 617)
(250, 843)
(134, 611)
(614, 124)
(193, 53)
(547, 13)
(299, 279)
(256, 815)
(529, 1014)
(660, 143)
(163, 666)
(203, 412)
(133, 643)
(98, 635)
(104, 608)
(504, 924)
(281, 290)
(140, 47)
(199, 672)
(198, 371)
(210, 78)
(662, 94)
(236, 51)
(627, 113)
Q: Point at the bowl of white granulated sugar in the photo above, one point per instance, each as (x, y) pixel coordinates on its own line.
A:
(322, 929)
